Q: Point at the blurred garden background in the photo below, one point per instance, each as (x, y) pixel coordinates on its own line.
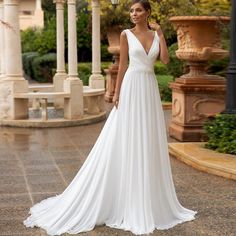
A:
(39, 44)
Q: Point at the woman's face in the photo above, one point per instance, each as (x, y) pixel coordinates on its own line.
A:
(138, 14)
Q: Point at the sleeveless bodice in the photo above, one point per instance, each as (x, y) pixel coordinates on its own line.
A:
(139, 59)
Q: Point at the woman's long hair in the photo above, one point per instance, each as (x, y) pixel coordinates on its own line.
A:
(145, 4)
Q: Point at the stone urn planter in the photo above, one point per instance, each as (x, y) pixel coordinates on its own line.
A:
(199, 41)
(197, 95)
(113, 35)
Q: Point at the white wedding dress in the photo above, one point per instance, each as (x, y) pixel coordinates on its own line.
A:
(126, 180)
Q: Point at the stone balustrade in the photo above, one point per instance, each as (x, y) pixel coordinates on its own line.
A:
(93, 100)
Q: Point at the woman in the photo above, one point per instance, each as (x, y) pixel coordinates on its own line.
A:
(126, 180)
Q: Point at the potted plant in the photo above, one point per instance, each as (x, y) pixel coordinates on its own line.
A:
(113, 21)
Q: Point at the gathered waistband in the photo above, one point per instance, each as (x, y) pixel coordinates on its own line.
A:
(139, 69)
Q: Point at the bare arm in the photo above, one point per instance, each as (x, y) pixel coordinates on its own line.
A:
(164, 56)
(122, 66)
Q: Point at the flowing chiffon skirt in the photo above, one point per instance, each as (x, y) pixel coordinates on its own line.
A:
(126, 180)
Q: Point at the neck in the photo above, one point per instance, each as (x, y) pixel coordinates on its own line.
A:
(141, 27)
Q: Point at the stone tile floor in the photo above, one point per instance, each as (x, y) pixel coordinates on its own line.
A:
(38, 163)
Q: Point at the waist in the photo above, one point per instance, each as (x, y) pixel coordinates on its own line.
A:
(140, 69)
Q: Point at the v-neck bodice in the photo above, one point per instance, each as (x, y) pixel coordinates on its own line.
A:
(139, 59)
(153, 39)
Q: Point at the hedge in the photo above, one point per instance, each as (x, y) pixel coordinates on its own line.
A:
(163, 84)
(221, 132)
(42, 67)
(27, 59)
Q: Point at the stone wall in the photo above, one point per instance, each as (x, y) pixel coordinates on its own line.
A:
(31, 14)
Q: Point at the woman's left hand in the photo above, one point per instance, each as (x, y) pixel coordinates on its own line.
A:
(155, 26)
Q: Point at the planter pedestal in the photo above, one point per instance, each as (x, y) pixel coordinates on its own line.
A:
(111, 75)
(113, 36)
(192, 105)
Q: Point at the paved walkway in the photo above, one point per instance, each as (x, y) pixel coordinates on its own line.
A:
(38, 163)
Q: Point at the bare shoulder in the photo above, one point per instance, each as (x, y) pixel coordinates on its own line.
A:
(123, 34)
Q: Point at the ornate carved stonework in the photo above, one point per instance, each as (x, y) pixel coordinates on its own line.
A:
(5, 104)
(205, 107)
(176, 107)
(199, 41)
(183, 36)
(192, 105)
(198, 88)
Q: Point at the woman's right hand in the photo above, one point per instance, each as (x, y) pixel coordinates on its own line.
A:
(115, 100)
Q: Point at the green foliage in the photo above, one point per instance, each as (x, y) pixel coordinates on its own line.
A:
(175, 66)
(163, 10)
(111, 16)
(27, 59)
(221, 132)
(42, 67)
(160, 68)
(84, 31)
(46, 42)
(105, 55)
(40, 40)
(43, 40)
(84, 71)
(219, 67)
(28, 37)
(48, 8)
(216, 7)
(163, 84)
(105, 65)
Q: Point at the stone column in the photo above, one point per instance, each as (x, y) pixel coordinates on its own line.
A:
(38, 14)
(12, 41)
(2, 66)
(38, 5)
(13, 81)
(74, 106)
(96, 80)
(61, 75)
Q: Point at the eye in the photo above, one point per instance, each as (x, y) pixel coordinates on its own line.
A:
(139, 9)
